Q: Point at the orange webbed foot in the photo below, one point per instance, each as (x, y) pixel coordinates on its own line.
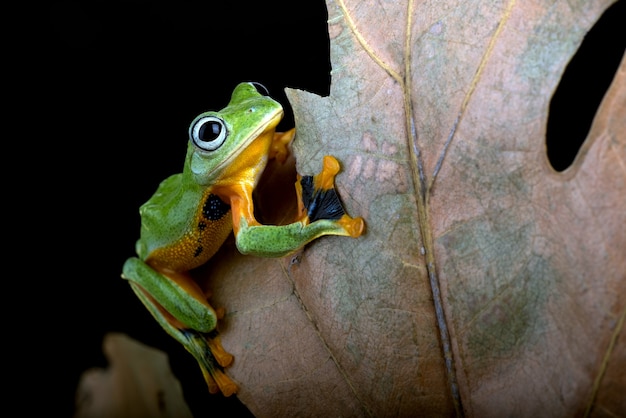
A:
(212, 358)
(318, 199)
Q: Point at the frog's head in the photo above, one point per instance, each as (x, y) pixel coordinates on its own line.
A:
(218, 138)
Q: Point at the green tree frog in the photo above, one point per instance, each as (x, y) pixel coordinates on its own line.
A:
(192, 213)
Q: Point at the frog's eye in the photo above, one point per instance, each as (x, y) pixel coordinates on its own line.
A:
(260, 88)
(209, 133)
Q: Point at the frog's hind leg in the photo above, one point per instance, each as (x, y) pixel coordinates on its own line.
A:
(206, 347)
(182, 310)
(318, 199)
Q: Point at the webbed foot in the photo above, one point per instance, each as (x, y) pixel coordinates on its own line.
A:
(184, 313)
(212, 358)
(318, 199)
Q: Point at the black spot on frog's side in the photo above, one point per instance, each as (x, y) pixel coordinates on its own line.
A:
(320, 203)
(214, 208)
(201, 227)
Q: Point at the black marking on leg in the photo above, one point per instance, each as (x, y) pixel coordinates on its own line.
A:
(198, 251)
(208, 357)
(320, 204)
(307, 190)
(214, 208)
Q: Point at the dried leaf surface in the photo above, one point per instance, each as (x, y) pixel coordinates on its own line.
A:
(487, 283)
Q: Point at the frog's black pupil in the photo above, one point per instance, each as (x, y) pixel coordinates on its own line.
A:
(209, 131)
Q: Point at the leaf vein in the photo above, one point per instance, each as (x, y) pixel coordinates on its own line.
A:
(333, 358)
(470, 92)
(605, 361)
(370, 51)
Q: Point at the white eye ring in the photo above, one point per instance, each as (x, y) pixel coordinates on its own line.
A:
(208, 133)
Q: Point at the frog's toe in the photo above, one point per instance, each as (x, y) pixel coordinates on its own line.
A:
(227, 386)
(326, 178)
(217, 381)
(353, 226)
(211, 383)
(222, 357)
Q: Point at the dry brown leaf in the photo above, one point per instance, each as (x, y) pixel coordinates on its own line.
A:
(487, 284)
(138, 383)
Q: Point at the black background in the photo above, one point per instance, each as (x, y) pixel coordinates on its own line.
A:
(116, 86)
(109, 90)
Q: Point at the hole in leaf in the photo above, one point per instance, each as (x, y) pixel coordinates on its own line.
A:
(583, 85)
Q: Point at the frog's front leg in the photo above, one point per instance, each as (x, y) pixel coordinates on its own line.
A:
(181, 308)
(279, 149)
(321, 213)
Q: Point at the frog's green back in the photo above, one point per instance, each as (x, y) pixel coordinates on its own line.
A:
(167, 215)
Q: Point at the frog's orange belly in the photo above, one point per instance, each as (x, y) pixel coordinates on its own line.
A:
(196, 247)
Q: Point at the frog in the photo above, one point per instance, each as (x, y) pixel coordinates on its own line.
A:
(192, 214)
